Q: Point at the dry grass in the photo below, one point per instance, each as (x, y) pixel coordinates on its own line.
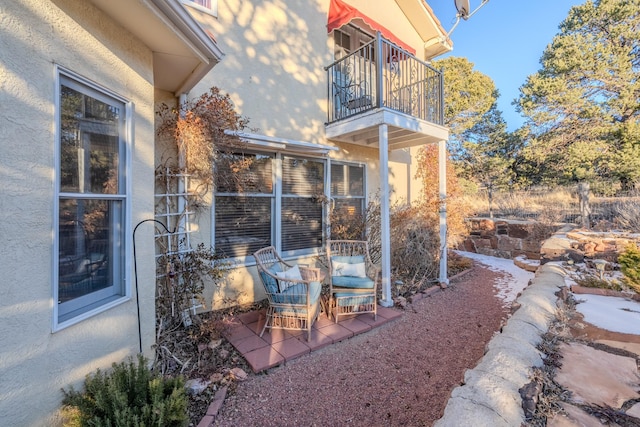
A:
(627, 214)
(552, 204)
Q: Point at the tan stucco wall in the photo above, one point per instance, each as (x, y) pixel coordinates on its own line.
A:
(273, 70)
(34, 362)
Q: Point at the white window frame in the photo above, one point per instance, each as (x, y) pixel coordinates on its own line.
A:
(273, 197)
(323, 215)
(364, 197)
(91, 305)
(276, 217)
(357, 38)
(211, 10)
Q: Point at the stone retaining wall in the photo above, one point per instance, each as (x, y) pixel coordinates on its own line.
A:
(490, 395)
(576, 244)
(503, 238)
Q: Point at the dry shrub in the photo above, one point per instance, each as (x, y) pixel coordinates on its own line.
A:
(591, 281)
(457, 264)
(458, 208)
(546, 224)
(525, 204)
(513, 205)
(627, 215)
(415, 251)
(197, 129)
(346, 225)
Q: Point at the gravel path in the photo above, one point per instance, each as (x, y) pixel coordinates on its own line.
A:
(400, 374)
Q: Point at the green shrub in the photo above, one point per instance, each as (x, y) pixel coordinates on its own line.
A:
(129, 395)
(629, 261)
(589, 281)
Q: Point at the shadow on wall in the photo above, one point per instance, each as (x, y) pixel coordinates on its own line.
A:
(273, 69)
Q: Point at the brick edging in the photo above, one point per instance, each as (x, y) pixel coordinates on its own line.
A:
(214, 407)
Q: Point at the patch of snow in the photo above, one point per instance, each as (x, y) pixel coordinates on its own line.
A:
(524, 260)
(515, 280)
(614, 314)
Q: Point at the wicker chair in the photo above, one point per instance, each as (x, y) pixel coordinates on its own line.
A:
(294, 299)
(352, 278)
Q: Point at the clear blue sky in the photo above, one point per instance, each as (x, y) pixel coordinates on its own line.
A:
(505, 40)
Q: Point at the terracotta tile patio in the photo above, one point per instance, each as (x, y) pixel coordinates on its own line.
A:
(278, 346)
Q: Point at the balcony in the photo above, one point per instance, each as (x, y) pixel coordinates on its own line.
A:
(381, 83)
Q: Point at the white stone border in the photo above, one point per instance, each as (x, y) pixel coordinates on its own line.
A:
(490, 395)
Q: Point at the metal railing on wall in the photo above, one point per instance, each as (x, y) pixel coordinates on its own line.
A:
(381, 74)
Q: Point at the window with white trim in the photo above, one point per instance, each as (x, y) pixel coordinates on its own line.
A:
(91, 198)
(302, 208)
(244, 203)
(348, 188)
(268, 199)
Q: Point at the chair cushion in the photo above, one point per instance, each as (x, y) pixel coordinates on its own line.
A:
(291, 273)
(355, 259)
(345, 299)
(297, 294)
(352, 282)
(348, 269)
(271, 284)
(348, 265)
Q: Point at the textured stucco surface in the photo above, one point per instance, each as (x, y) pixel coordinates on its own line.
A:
(35, 363)
(273, 70)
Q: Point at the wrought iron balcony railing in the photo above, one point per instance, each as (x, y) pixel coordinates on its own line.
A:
(381, 74)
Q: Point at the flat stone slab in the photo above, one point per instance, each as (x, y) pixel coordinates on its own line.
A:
(627, 346)
(597, 377)
(574, 417)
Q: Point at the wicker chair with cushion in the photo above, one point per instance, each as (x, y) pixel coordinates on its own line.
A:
(352, 278)
(293, 292)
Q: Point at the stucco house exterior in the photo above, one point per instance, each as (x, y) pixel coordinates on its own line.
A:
(79, 84)
(331, 101)
(340, 95)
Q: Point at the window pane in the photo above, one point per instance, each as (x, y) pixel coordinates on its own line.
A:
(356, 180)
(349, 208)
(243, 224)
(301, 223)
(244, 173)
(89, 245)
(302, 177)
(342, 44)
(347, 180)
(89, 146)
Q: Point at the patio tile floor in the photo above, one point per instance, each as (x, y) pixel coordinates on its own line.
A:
(278, 346)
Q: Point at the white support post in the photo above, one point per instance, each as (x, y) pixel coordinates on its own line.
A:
(385, 222)
(442, 181)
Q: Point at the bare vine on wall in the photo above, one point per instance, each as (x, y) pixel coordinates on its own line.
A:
(195, 135)
(199, 132)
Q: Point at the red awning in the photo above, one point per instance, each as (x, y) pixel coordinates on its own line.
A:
(341, 13)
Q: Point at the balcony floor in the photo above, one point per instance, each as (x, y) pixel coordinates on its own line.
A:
(278, 346)
(403, 130)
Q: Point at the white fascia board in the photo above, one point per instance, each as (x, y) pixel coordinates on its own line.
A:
(282, 143)
(200, 41)
(194, 36)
